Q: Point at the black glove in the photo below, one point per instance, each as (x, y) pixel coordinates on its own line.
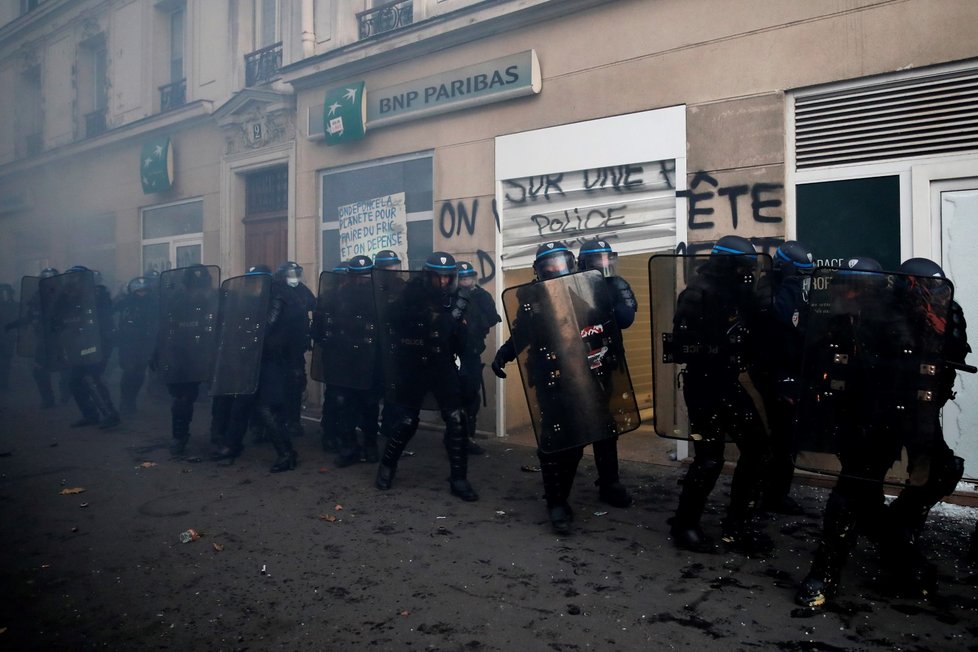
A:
(497, 366)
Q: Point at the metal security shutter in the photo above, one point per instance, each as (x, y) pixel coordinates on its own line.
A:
(900, 119)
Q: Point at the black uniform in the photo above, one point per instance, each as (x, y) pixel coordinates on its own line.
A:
(297, 380)
(717, 303)
(480, 317)
(429, 328)
(136, 335)
(85, 380)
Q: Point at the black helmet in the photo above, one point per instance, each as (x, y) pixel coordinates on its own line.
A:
(387, 259)
(77, 268)
(733, 244)
(48, 272)
(794, 257)
(360, 265)
(259, 269)
(441, 271)
(597, 254)
(137, 284)
(196, 277)
(921, 267)
(466, 274)
(289, 271)
(553, 260)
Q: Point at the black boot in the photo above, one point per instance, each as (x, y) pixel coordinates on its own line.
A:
(838, 538)
(400, 434)
(610, 489)
(697, 485)
(458, 457)
(555, 492)
(286, 460)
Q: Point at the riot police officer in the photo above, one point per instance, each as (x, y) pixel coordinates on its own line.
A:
(598, 254)
(138, 314)
(776, 366)
(718, 302)
(353, 377)
(480, 317)
(85, 380)
(425, 329)
(291, 273)
(928, 455)
(863, 328)
(558, 469)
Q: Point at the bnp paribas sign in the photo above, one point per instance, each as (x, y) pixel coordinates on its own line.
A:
(491, 81)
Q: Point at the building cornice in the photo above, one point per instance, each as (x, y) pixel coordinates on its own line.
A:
(184, 117)
(434, 34)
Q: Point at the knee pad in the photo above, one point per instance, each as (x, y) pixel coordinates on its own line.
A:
(945, 475)
(454, 419)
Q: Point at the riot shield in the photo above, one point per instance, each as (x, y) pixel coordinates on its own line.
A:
(414, 356)
(187, 339)
(243, 322)
(700, 288)
(70, 321)
(29, 340)
(344, 350)
(571, 360)
(872, 360)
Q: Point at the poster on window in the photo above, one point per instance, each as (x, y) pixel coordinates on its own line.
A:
(371, 225)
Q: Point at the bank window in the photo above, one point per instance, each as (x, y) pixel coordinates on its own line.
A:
(173, 235)
(382, 205)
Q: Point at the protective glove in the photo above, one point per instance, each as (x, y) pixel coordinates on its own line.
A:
(497, 366)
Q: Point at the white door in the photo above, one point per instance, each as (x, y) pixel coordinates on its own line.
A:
(956, 204)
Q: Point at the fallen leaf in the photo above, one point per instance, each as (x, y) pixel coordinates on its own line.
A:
(323, 469)
(218, 547)
(67, 491)
(338, 508)
(327, 517)
(146, 465)
(405, 613)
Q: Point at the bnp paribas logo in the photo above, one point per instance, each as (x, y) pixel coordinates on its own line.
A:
(156, 165)
(345, 113)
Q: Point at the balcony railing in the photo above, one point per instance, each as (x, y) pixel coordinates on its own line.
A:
(34, 143)
(173, 95)
(385, 18)
(94, 123)
(262, 65)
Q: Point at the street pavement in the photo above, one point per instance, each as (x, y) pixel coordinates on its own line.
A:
(319, 559)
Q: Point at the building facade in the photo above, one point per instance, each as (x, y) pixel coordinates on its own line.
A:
(313, 130)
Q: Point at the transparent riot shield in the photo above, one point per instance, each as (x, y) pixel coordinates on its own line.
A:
(70, 321)
(241, 334)
(571, 360)
(872, 361)
(345, 337)
(187, 339)
(29, 337)
(416, 355)
(702, 309)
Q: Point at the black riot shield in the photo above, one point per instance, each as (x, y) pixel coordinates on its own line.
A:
(29, 337)
(872, 361)
(715, 298)
(572, 360)
(241, 334)
(187, 339)
(345, 338)
(70, 321)
(415, 353)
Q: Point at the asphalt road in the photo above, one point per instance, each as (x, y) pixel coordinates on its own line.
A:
(319, 559)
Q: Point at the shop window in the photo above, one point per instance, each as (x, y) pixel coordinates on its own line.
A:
(173, 235)
(386, 205)
(840, 220)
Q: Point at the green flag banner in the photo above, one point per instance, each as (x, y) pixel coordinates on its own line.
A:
(345, 113)
(156, 165)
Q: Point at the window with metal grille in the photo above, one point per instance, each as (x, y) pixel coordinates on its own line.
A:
(920, 116)
(267, 192)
